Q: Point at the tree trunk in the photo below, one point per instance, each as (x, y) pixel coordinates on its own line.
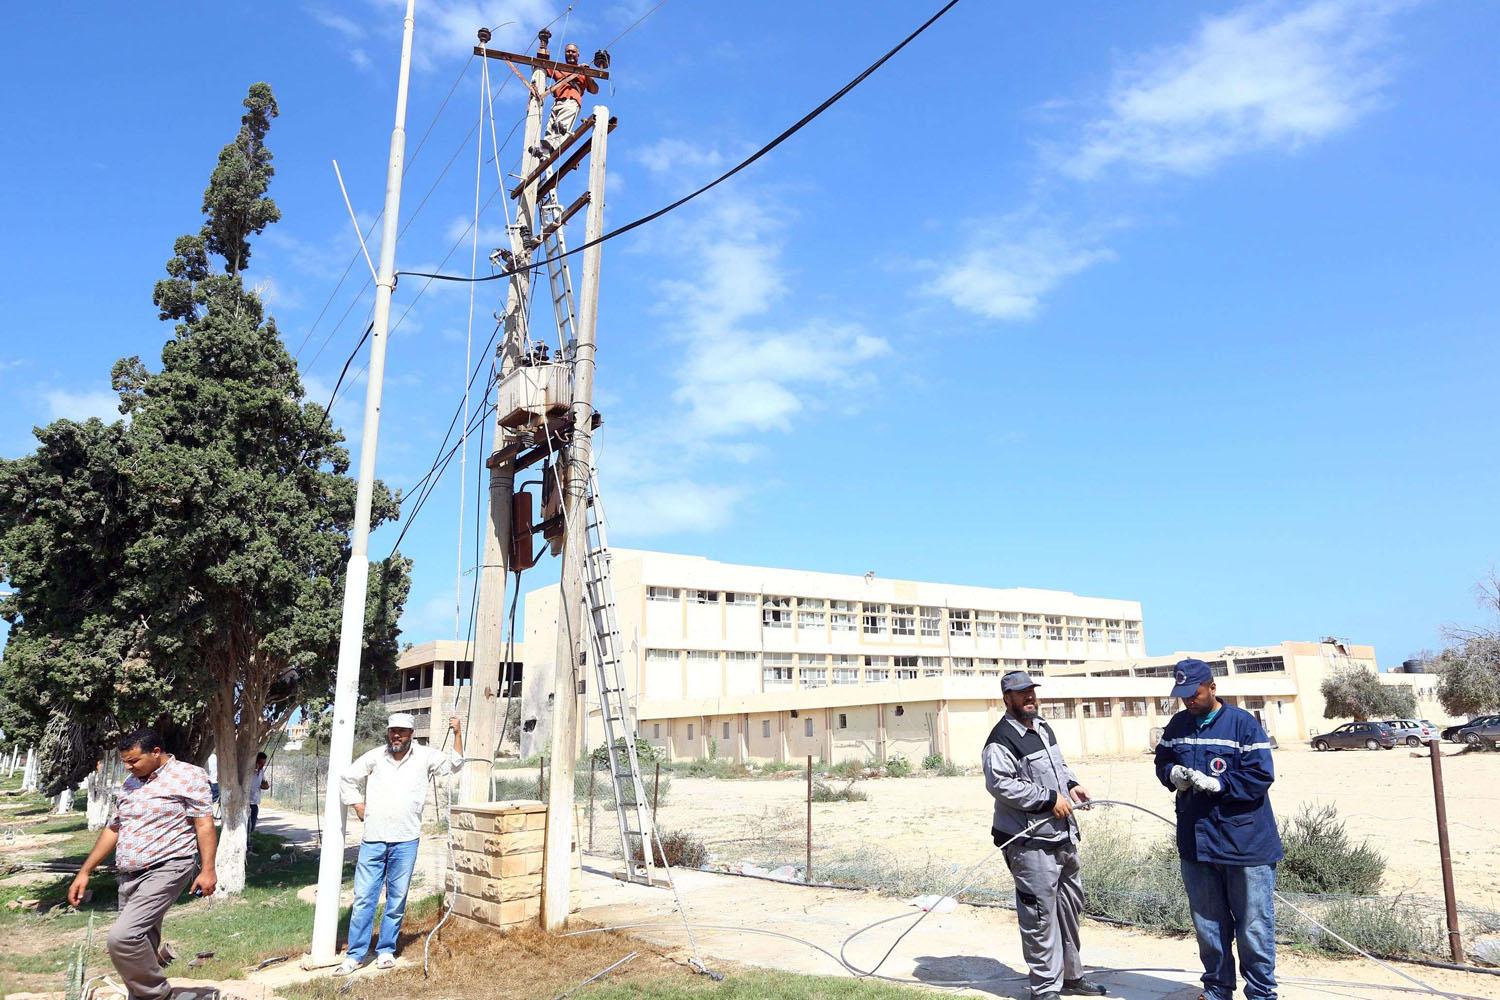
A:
(63, 803)
(29, 775)
(97, 786)
(236, 746)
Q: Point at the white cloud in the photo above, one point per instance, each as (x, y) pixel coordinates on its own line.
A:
(80, 406)
(674, 506)
(1011, 265)
(446, 29)
(672, 155)
(1266, 76)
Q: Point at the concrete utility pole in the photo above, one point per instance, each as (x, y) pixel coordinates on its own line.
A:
(573, 617)
(489, 649)
(356, 582)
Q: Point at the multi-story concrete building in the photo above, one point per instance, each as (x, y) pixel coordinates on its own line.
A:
(433, 681)
(751, 662)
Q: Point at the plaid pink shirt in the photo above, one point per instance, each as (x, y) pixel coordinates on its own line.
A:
(154, 818)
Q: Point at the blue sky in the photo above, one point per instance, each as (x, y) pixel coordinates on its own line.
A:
(1186, 303)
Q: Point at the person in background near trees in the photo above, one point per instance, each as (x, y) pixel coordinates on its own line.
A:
(258, 783)
(212, 767)
(1025, 773)
(567, 99)
(387, 788)
(162, 818)
(1217, 759)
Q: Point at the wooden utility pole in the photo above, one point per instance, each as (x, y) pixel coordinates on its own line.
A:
(573, 614)
(1455, 938)
(489, 646)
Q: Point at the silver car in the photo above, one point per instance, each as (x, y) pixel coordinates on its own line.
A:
(1412, 732)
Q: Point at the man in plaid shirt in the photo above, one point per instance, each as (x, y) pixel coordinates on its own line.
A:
(162, 835)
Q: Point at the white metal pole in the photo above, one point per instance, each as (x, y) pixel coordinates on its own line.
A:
(351, 635)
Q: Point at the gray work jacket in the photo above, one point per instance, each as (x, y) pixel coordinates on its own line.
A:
(1025, 772)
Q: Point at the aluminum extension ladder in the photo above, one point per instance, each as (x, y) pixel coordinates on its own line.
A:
(558, 276)
(632, 809)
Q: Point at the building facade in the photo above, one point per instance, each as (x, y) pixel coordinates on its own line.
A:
(756, 663)
(433, 680)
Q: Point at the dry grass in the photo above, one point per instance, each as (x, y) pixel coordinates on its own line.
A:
(478, 964)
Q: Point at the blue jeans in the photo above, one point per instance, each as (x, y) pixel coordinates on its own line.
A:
(1234, 903)
(380, 863)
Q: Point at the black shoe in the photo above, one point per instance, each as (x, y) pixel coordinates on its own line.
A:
(1082, 987)
(1048, 996)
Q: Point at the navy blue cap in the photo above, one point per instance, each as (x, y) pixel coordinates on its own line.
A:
(1017, 680)
(1189, 675)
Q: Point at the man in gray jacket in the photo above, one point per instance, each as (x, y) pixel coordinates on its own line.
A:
(1031, 783)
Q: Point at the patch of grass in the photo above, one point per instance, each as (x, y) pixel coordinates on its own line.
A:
(779, 767)
(848, 769)
(677, 848)
(527, 788)
(824, 792)
(1321, 857)
(705, 767)
(1123, 881)
(940, 766)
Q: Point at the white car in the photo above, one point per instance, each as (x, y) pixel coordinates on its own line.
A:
(1413, 732)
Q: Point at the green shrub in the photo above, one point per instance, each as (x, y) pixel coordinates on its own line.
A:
(846, 769)
(645, 753)
(677, 848)
(897, 766)
(709, 768)
(1321, 858)
(779, 767)
(1124, 881)
(933, 761)
(824, 792)
(1377, 926)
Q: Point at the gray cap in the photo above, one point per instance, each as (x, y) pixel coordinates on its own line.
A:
(1017, 680)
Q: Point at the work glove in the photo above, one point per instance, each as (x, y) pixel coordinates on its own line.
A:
(1178, 776)
(1204, 783)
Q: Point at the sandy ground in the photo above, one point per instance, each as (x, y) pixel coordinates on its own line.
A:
(1385, 796)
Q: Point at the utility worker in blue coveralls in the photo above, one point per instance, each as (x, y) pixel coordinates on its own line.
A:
(1025, 773)
(1217, 759)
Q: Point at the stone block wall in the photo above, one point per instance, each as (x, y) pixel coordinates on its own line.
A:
(499, 853)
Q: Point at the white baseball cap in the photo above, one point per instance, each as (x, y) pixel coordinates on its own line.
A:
(401, 720)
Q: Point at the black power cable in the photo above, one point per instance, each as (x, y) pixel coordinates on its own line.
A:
(762, 151)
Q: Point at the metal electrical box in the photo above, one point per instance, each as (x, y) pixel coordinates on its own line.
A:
(531, 394)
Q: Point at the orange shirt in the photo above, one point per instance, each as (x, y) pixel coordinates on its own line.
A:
(573, 89)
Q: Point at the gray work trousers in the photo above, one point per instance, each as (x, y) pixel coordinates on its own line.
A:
(1049, 902)
(560, 125)
(135, 938)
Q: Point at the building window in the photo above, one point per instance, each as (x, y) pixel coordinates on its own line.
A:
(843, 621)
(726, 730)
(740, 656)
(656, 730)
(1133, 708)
(702, 660)
(843, 721)
(984, 624)
(777, 671)
(1096, 708)
(1010, 630)
(814, 677)
(903, 619)
(877, 669)
(811, 603)
(1166, 706)
(1114, 637)
(845, 675)
(810, 619)
(1075, 634)
(874, 619)
(661, 657)
(690, 732)
(1260, 665)
(776, 612)
(960, 622)
(662, 593)
(807, 727)
(1033, 631)
(765, 729)
(1096, 635)
(738, 599)
(1054, 633)
(1133, 634)
(932, 621)
(1056, 709)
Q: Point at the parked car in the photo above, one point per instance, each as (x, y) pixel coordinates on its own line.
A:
(1485, 730)
(1370, 735)
(1451, 733)
(1412, 732)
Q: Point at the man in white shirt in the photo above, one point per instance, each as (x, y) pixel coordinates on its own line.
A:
(394, 779)
(258, 784)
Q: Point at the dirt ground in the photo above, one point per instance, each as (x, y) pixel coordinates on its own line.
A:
(1385, 796)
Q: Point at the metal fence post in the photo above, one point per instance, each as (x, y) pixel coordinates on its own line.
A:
(808, 879)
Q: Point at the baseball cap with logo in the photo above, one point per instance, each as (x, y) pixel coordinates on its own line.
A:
(1188, 676)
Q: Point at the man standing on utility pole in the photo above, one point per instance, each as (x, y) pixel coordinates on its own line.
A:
(1035, 792)
(1217, 759)
(567, 99)
(388, 788)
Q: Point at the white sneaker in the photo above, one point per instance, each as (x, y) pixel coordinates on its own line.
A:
(385, 961)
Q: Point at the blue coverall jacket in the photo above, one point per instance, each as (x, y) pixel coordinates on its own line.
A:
(1235, 826)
